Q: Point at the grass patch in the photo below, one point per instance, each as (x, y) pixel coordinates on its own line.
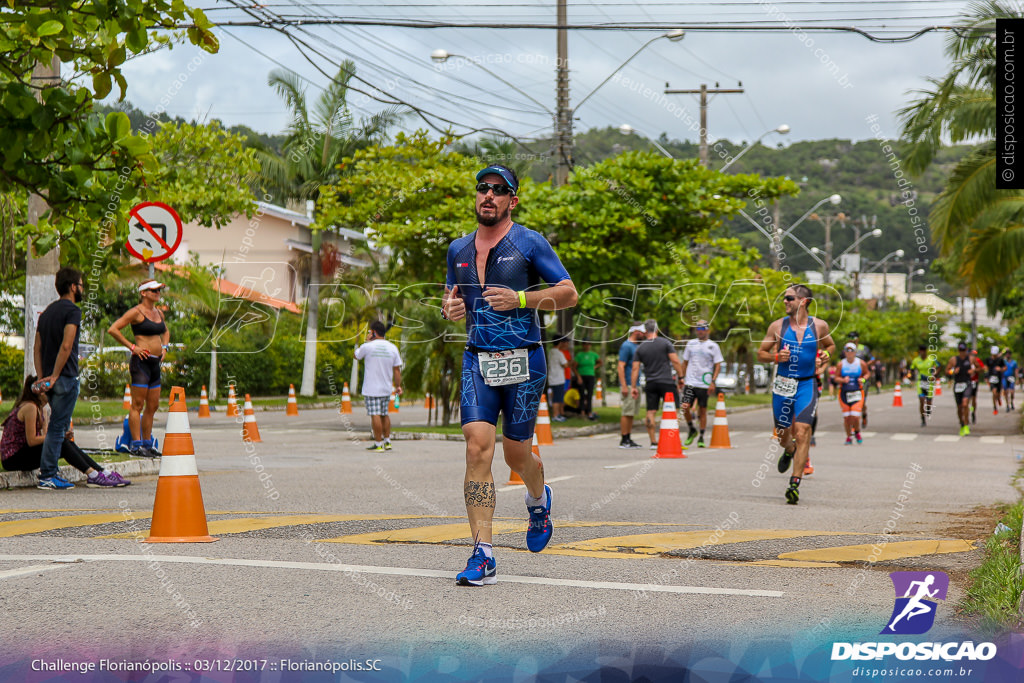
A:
(997, 584)
(762, 399)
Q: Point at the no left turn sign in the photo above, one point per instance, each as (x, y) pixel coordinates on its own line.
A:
(154, 231)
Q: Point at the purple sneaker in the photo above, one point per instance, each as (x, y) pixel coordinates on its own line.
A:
(101, 480)
(117, 478)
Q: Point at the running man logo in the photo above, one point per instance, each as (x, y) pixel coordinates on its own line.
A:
(914, 613)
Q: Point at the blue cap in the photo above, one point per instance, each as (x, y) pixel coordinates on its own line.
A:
(507, 174)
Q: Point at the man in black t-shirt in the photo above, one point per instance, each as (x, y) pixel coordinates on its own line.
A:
(659, 357)
(56, 361)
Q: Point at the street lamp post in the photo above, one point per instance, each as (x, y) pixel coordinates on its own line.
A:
(781, 130)
(564, 113)
(827, 222)
(911, 272)
(884, 265)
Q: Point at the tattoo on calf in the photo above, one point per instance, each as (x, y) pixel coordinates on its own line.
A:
(480, 494)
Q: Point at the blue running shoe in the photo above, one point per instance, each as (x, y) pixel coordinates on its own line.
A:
(538, 533)
(479, 571)
(54, 483)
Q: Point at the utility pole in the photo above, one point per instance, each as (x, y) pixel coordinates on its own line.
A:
(704, 92)
(39, 270)
(563, 114)
(827, 220)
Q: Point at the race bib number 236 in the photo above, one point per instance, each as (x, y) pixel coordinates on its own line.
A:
(499, 368)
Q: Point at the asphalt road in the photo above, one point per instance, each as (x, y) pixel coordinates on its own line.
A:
(327, 550)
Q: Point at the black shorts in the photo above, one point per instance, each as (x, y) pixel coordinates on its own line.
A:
(700, 394)
(656, 391)
(145, 372)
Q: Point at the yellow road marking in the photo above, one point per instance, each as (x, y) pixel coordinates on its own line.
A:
(788, 563)
(33, 526)
(243, 524)
(890, 551)
(442, 533)
(656, 544)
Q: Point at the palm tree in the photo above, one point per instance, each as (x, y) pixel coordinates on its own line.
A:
(978, 228)
(316, 143)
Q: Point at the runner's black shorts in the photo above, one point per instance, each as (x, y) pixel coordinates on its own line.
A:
(144, 372)
(655, 392)
(700, 394)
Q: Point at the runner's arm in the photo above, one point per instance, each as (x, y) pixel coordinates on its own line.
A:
(554, 298)
(766, 352)
(673, 358)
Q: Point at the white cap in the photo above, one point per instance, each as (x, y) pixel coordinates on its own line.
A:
(850, 346)
(151, 284)
(636, 328)
(995, 350)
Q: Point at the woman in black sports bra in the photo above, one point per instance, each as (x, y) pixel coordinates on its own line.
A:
(151, 339)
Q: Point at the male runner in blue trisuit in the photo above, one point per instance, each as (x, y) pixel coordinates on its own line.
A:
(493, 275)
(792, 343)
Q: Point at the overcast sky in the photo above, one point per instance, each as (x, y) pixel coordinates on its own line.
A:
(822, 84)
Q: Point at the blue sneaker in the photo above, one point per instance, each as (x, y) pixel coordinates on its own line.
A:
(54, 483)
(479, 571)
(538, 533)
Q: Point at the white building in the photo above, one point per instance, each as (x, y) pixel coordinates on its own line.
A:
(261, 253)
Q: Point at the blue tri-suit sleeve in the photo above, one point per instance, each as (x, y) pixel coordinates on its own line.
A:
(450, 276)
(545, 260)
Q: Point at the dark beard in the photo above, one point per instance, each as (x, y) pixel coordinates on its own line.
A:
(78, 297)
(490, 222)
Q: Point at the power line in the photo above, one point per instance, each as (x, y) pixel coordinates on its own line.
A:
(422, 113)
(743, 27)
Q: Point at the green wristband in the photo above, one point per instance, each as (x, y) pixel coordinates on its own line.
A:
(522, 299)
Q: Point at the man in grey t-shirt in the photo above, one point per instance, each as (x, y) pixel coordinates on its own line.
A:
(658, 357)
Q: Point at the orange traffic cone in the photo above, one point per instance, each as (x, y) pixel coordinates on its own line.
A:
(204, 403)
(178, 512)
(543, 426)
(293, 405)
(127, 403)
(250, 431)
(938, 386)
(232, 410)
(599, 392)
(720, 429)
(669, 445)
(346, 400)
(393, 403)
(897, 397)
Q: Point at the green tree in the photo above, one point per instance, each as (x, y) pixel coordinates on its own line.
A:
(53, 144)
(976, 225)
(316, 142)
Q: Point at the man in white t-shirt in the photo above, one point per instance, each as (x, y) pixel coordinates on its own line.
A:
(556, 378)
(702, 359)
(382, 376)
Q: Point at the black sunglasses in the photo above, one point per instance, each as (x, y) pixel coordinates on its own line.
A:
(790, 297)
(498, 189)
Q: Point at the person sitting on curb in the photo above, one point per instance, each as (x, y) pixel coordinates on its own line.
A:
(21, 447)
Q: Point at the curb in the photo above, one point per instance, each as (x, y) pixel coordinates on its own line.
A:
(129, 468)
